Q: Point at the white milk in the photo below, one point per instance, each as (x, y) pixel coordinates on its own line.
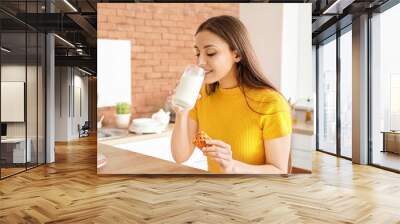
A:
(189, 87)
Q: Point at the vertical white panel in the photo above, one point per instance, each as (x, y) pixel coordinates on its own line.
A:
(12, 101)
(114, 72)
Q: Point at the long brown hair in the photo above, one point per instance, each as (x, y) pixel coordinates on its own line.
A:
(233, 31)
(250, 74)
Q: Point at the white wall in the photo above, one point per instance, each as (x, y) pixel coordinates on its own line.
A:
(68, 80)
(80, 82)
(314, 72)
(290, 51)
(17, 73)
(281, 37)
(62, 81)
(306, 88)
(264, 24)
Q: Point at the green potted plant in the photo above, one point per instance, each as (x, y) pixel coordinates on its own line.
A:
(123, 114)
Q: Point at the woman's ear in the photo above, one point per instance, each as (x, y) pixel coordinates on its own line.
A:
(236, 56)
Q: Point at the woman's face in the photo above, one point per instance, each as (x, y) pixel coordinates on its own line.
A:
(214, 56)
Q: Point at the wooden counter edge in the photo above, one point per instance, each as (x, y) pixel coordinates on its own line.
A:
(119, 161)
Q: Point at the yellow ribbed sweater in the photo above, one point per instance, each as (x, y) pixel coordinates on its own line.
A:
(225, 116)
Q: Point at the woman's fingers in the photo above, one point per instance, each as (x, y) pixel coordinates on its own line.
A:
(218, 152)
(221, 155)
(176, 108)
(218, 155)
(214, 148)
(217, 143)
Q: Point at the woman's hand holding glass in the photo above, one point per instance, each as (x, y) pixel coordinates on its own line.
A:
(177, 109)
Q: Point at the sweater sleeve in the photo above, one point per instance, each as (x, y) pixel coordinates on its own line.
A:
(277, 125)
(277, 120)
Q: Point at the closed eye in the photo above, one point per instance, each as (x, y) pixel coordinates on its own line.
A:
(210, 55)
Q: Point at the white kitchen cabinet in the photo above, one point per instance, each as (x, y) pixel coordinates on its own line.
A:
(302, 159)
(304, 142)
(302, 150)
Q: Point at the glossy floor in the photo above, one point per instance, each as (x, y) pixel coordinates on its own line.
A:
(70, 191)
(387, 159)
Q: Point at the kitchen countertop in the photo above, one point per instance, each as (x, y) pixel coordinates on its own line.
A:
(303, 128)
(132, 137)
(121, 161)
(304, 107)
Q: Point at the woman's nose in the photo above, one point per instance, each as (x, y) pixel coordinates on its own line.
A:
(203, 66)
(201, 62)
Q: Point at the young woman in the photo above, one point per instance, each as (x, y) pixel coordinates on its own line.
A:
(248, 120)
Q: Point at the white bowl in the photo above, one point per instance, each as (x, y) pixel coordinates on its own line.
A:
(146, 125)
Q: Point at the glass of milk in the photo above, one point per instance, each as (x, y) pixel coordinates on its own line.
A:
(189, 86)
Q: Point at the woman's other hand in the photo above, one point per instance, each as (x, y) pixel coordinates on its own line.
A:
(220, 152)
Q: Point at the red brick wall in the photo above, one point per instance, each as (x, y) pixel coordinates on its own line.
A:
(162, 41)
